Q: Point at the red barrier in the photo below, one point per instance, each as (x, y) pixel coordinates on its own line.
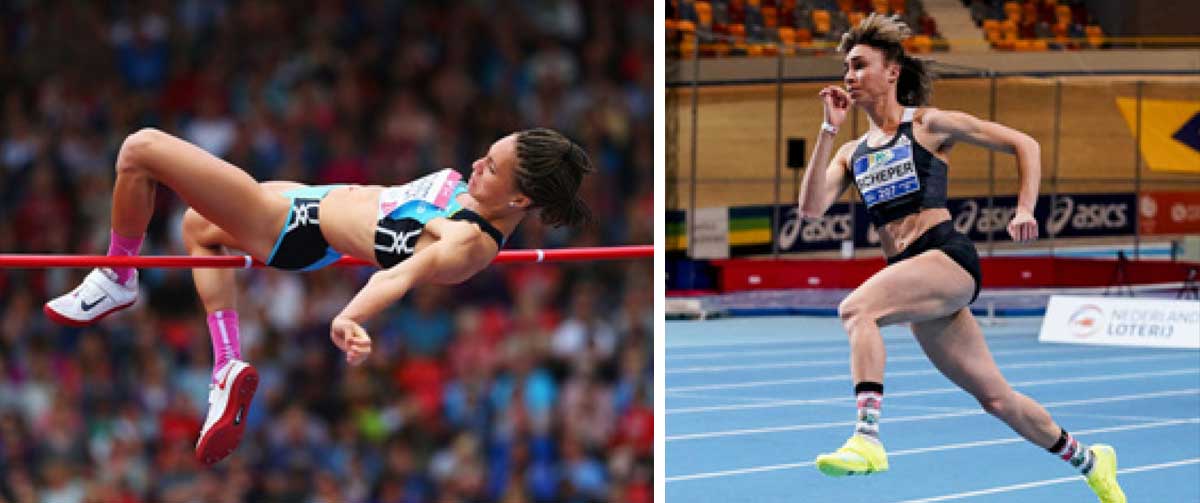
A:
(1169, 212)
(998, 272)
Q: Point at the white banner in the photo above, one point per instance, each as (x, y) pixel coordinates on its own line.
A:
(711, 238)
(1122, 321)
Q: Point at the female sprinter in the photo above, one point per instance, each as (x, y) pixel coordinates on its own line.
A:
(437, 229)
(899, 167)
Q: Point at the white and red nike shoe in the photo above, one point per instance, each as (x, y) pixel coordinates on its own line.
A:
(228, 403)
(98, 296)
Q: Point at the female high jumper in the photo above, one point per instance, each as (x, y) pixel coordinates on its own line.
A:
(437, 229)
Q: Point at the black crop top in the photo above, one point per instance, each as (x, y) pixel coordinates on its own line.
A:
(900, 177)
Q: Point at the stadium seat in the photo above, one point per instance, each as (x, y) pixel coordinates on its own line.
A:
(704, 14)
(1012, 11)
(1008, 29)
(994, 39)
(786, 35)
(1060, 34)
(855, 17)
(1095, 37)
(821, 21)
(804, 37)
(685, 26)
(770, 17)
(787, 40)
(1062, 14)
(921, 43)
(738, 33)
(687, 49)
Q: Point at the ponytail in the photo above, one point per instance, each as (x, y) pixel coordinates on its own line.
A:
(915, 86)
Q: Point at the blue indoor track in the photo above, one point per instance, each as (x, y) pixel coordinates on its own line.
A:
(751, 401)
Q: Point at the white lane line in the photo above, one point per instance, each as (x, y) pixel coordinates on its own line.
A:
(843, 361)
(844, 399)
(791, 341)
(889, 335)
(725, 355)
(1048, 482)
(708, 398)
(959, 412)
(1073, 362)
(838, 341)
(936, 448)
(835, 348)
(902, 405)
(1057, 414)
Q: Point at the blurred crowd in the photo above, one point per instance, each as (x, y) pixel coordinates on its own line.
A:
(529, 383)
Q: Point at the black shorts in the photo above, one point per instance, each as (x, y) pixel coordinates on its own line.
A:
(300, 245)
(958, 247)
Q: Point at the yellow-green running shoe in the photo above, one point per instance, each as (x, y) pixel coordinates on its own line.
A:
(1103, 477)
(858, 456)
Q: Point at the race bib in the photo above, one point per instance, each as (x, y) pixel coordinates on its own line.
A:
(435, 188)
(886, 174)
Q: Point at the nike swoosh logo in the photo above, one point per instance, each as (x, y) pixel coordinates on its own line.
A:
(88, 307)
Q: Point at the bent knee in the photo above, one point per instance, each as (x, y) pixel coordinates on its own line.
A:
(854, 312)
(196, 228)
(193, 221)
(136, 147)
(999, 405)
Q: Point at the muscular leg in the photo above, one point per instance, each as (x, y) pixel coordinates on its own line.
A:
(221, 192)
(203, 238)
(927, 286)
(956, 347)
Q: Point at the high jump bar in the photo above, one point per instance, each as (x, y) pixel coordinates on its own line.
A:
(34, 261)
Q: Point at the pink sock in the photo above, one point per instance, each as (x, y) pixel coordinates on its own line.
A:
(121, 246)
(223, 328)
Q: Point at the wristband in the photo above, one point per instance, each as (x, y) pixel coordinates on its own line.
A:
(830, 128)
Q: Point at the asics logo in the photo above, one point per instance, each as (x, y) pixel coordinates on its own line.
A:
(88, 307)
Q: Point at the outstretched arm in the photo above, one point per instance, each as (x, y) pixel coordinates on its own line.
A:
(454, 257)
(958, 126)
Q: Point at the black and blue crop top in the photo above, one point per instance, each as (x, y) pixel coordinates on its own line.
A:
(405, 209)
